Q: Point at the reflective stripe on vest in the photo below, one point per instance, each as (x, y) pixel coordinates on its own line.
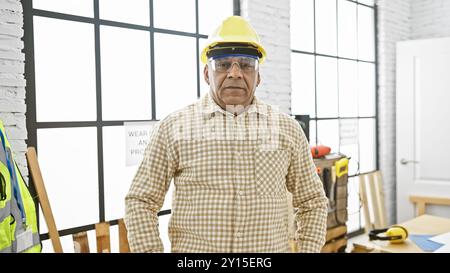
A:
(13, 246)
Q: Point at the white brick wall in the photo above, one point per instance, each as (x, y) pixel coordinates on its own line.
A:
(430, 19)
(401, 20)
(393, 26)
(12, 82)
(271, 20)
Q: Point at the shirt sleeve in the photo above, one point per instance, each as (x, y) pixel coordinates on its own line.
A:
(147, 192)
(308, 196)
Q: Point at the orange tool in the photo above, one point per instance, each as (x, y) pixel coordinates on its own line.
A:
(320, 150)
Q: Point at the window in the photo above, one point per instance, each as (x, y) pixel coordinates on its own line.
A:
(333, 57)
(93, 65)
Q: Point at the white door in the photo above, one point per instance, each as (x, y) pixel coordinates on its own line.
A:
(423, 124)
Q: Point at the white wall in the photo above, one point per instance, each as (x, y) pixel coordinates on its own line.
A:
(393, 26)
(430, 19)
(400, 20)
(271, 19)
(12, 82)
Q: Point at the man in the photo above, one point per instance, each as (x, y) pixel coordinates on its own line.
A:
(233, 159)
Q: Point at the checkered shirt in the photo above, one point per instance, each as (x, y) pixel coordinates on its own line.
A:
(231, 174)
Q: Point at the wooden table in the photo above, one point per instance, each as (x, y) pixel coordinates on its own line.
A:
(425, 225)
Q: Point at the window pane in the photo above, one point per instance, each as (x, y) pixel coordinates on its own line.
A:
(168, 199)
(353, 204)
(212, 13)
(68, 161)
(367, 144)
(348, 132)
(303, 95)
(326, 27)
(164, 219)
(366, 89)
(328, 134)
(175, 73)
(114, 238)
(64, 70)
(164, 231)
(352, 152)
(348, 88)
(327, 96)
(133, 12)
(67, 242)
(117, 176)
(174, 14)
(204, 86)
(302, 25)
(75, 7)
(125, 60)
(312, 133)
(366, 34)
(347, 37)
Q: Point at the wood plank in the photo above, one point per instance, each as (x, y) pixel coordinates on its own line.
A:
(80, 242)
(335, 232)
(420, 208)
(374, 199)
(103, 240)
(381, 199)
(123, 240)
(38, 182)
(430, 200)
(363, 196)
(357, 248)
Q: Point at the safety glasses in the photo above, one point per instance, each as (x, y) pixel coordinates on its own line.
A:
(224, 64)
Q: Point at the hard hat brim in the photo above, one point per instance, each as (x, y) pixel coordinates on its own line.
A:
(204, 54)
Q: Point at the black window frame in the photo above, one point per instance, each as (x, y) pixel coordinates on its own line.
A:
(31, 122)
(337, 57)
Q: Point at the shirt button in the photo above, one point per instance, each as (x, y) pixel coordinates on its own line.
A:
(239, 234)
(240, 192)
(238, 154)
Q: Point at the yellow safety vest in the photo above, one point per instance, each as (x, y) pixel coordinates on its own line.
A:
(18, 224)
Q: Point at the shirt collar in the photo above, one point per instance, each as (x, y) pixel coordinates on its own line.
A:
(209, 106)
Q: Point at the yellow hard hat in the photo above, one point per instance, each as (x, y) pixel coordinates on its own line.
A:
(234, 30)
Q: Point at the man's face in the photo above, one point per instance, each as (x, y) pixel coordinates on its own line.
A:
(234, 87)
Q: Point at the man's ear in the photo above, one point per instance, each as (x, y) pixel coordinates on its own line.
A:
(258, 80)
(206, 74)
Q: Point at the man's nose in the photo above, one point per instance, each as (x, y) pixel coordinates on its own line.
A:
(235, 71)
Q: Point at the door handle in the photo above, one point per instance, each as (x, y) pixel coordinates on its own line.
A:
(404, 161)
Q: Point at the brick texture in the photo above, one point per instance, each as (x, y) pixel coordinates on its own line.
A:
(12, 81)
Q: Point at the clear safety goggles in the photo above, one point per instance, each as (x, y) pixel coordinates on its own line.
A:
(223, 64)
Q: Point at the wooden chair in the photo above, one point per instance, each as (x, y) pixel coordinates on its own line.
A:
(81, 242)
(372, 197)
(422, 201)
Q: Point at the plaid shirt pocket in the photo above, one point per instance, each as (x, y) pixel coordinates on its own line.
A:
(271, 168)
